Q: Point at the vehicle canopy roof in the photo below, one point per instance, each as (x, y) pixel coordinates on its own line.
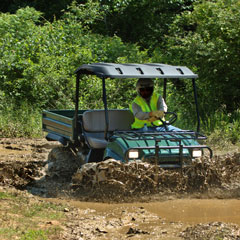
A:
(132, 70)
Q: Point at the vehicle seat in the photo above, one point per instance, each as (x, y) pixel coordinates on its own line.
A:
(94, 125)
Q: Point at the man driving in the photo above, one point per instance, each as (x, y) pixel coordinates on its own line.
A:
(148, 108)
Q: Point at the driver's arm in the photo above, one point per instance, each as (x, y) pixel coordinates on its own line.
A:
(138, 113)
(161, 107)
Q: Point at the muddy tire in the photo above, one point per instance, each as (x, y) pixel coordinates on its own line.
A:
(62, 163)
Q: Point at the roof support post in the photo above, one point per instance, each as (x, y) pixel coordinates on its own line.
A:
(196, 104)
(104, 96)
(165, 90)
(76, 125)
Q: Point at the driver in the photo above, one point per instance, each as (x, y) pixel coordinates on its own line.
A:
(148, 107)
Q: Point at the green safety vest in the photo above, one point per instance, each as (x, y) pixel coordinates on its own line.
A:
(146, 108)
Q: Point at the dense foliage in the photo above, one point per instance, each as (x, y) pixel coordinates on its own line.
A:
(120, 17)
(141, 21)
(38, 61)
(50, 9)
(208, 41)
(38, 56)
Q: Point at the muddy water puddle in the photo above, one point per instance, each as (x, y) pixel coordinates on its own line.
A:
(196, 211)
(171, 219)
(189, 211)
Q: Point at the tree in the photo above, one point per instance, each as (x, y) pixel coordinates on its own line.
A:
(141, 21)
(50, 9)
(37, 61)
(208, 41)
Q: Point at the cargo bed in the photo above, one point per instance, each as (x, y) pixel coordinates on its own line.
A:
(60, 124)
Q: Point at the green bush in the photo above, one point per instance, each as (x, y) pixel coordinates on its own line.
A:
(223, 128)
(38, 60)
(207, 41)
(21, 121)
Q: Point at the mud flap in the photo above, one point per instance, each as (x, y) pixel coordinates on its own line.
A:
(55, 137)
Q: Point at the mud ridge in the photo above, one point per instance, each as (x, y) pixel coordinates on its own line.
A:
(214, 230)
(20, 174)
(111, 179)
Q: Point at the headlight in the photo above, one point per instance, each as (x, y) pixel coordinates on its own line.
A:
(196, 153)
(133, 154)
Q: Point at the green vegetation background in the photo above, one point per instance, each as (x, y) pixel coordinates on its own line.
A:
(42, 43)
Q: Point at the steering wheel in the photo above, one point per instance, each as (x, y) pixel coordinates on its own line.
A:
(172, 117)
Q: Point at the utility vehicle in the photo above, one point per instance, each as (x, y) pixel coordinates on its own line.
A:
(100, 134)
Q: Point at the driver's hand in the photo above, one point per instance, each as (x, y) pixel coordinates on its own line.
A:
(152, 119)
(157, 114)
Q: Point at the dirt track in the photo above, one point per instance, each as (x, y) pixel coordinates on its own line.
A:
(201, 203)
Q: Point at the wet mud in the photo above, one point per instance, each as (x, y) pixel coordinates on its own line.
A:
(21, 161)
(217, 177)
(137, 200)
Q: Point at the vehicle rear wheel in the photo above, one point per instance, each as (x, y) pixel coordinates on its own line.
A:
(62, 162)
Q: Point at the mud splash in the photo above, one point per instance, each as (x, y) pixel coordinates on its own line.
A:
(218, 177)
(22, 161)
(42, 174)
(19, 174)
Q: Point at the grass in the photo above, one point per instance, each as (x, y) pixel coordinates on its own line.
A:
(4, 195)
(22, 121)
(32, 234)
(27, 218)
(39, 210)
(223, 129)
